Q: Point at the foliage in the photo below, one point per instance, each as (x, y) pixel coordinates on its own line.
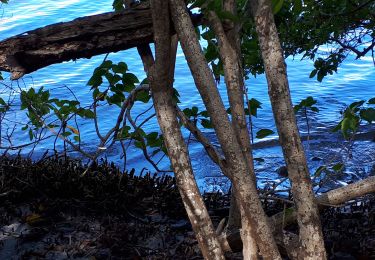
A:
(304, 29)
(119, 81)
(346, 26)
(353, 115)
(264, 133)
(307, 103)
(39, 105)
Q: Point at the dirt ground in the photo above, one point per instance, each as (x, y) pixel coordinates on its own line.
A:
(48, 210)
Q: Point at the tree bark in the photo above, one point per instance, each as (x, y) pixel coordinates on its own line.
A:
(311, 237)
(237, 167)
(81, 38)
(333, 198)
(229, 51)
(161, 79)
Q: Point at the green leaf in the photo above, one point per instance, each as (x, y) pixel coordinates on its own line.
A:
(263, 133)
(95, 81)
(315, 109)
(349, 123)
(24, 127)
(76, 138)
(123, 132)
(112, 79)
(116, 98)
(194, 111)
(313, 73)
(129, 78)
(276, 5)
(319, 171)
(309, 101)
(338, 167)
(227, 15)
(88, 113)
(143, 96)
(106, 64)
(145, 81)
(254, 104)
(66, 134)
(120, 68)
(321, 75)
(31, 136)
(368, 114)
(187, 112)
(2, 102)
(297, 6)
(118, 5)
(355, 105)
(297, 108)
(176, 96)
(206, 123)
(371, 101)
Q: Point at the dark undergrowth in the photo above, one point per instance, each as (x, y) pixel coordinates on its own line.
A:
(50, 210)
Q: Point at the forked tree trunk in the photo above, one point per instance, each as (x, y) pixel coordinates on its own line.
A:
(160, 76)
(237, 166)
(311, 237)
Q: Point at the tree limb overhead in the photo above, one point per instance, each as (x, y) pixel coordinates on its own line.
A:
(81, 38)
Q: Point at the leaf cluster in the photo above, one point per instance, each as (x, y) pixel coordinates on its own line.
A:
(353, 115)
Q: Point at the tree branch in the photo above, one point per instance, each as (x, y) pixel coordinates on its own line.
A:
(81, 38)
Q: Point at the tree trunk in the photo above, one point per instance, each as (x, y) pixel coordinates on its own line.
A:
(311, 237)
(237, 166)
(230, 56)
(160, 77)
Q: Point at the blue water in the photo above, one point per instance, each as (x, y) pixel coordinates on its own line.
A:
(354, 81)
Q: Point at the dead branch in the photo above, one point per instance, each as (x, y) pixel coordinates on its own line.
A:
(81, 38)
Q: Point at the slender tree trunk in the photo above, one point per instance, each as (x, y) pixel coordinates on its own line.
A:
(237, 166)
(229, 51)
(160, 76)
(232, 34)
(311, 237)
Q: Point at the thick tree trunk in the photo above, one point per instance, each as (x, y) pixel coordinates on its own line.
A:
(81, 38)
(237, 166)
(311, 237)
(160, 76)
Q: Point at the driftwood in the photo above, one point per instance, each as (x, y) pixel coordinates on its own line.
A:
(337, 197)
(81, 38)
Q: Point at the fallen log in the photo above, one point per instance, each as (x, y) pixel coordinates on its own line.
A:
(81, 38)
(337, 197)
